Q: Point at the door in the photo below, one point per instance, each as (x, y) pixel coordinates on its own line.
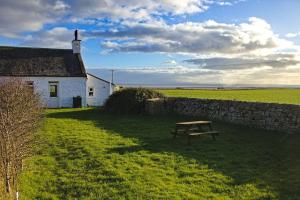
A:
(53, 101)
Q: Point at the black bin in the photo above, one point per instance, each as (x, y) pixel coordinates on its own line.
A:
(77, 102)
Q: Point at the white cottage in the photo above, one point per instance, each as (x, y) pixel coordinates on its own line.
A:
(57, 74)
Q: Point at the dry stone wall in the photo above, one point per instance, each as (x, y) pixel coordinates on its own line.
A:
(269, 116)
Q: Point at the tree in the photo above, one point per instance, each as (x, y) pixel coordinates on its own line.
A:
(21, 114)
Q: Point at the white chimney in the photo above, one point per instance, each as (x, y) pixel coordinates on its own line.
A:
(76, 43)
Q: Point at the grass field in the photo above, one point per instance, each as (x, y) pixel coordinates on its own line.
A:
(287, 96)
(87, 154)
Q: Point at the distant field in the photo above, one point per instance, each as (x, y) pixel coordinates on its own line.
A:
(287, 96)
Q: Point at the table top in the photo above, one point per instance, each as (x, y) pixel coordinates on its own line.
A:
(193, 122)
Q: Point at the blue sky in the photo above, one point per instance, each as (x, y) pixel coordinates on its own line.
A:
(168, 41)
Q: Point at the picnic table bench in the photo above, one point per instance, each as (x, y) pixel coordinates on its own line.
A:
(193, 129)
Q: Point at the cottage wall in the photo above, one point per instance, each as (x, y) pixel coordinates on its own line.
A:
(68, 87)
(101, 91)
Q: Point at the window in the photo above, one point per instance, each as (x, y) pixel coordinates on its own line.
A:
(53, 89)
(30, 85)
(91, 92)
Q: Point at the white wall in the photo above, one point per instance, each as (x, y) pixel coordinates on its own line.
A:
(101, 91)
(68, 87)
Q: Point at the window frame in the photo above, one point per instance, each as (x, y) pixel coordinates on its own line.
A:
(91, 91)
(55, 93)
(30, 85)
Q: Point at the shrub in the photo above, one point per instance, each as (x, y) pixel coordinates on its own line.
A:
(130, 100)
(21, 114)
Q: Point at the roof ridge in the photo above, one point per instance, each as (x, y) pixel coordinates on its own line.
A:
(25, 47)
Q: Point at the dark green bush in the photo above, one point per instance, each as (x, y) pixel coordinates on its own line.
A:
(130, 100)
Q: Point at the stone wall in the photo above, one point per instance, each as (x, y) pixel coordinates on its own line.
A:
(269, 116)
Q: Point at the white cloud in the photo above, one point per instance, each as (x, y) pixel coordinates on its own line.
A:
(59, 37)
(163, 76)
(292, 35)
(245, 53)
(30, 15)
(263, 75)
(228, 3)
(278, 60)
(136, 9)
(194, 76)
(171, 62)
(209, 38)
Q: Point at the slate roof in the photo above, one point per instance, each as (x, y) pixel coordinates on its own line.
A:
(26, 61)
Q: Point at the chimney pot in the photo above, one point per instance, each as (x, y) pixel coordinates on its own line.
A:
(76, 34)
(76, 43)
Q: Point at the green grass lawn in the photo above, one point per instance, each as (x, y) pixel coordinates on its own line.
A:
(287, 96)
(86, 154)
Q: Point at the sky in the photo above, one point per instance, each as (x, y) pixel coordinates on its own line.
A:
(167, 42)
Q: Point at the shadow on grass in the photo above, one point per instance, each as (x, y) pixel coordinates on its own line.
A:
(247, 155)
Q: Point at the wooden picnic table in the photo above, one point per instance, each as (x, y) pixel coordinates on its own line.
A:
(193, 129)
